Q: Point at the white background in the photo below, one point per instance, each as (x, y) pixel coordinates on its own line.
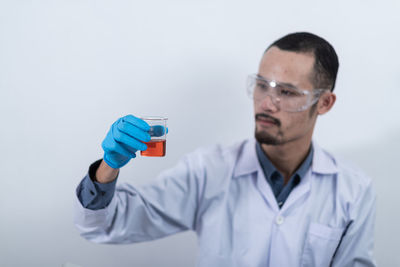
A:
(69, 69)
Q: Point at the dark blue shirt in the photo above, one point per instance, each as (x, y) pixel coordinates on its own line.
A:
(275, 178)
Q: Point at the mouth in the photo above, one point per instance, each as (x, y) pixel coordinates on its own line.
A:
(266, 120)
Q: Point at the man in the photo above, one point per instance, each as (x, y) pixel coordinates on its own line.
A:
(278, 200)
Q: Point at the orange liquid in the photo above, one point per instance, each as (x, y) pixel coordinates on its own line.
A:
(154, 149)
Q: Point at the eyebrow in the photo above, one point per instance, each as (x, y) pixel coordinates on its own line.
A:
(283, 83)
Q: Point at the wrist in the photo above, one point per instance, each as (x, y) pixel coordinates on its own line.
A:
(105, 173)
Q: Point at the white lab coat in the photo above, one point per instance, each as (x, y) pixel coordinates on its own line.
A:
(222, 195)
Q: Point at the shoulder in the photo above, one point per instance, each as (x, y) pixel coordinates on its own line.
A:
(352, 182)
(217, 154)
(351, 171)
(353, 178)
(324, 162)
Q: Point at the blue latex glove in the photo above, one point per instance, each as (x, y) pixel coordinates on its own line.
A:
(124, 139)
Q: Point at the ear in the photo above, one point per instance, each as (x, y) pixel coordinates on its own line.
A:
(325, 102)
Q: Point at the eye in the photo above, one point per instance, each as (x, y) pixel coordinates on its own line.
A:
(283, 91)
(286, 92)
(261, 86)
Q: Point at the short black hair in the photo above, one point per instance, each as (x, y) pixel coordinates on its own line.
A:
(326, 63)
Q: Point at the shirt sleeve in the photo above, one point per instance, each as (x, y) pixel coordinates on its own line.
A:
(93, 195)
(357, 244)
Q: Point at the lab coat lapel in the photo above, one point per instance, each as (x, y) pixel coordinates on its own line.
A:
(300, 191)
(265, 190)
(323, 164)
(247, 161)
(247, 164)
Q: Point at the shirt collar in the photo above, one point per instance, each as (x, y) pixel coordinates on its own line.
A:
(269, 168)
(265, 163)
(247, 162)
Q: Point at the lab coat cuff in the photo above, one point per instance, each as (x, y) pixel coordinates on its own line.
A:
(84, 217)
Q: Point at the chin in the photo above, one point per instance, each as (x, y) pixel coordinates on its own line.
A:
(267, 139)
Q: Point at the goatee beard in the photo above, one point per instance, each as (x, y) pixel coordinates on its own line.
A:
(264, 137)
(268, 139)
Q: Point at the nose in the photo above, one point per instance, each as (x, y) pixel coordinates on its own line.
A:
(268, 104)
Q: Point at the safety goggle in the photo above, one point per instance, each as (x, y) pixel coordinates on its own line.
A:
(284, 96)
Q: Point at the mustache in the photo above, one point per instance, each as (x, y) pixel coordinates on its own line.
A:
(266, 116)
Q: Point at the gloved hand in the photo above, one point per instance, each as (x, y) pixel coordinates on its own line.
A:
(124, 138)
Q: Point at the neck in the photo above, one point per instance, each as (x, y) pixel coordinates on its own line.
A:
(289, 156)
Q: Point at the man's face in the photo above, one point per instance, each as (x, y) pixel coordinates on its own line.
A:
(274, 126)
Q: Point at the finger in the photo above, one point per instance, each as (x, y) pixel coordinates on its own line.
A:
(115, 147)
(136, 122)
(128, 140)
(133, 131)
(157, 130)
(130, 149)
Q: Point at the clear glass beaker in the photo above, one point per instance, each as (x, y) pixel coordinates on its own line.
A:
(156, 147)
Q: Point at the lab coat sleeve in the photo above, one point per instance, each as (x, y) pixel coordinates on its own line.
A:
(136, 214)
(356, 247)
